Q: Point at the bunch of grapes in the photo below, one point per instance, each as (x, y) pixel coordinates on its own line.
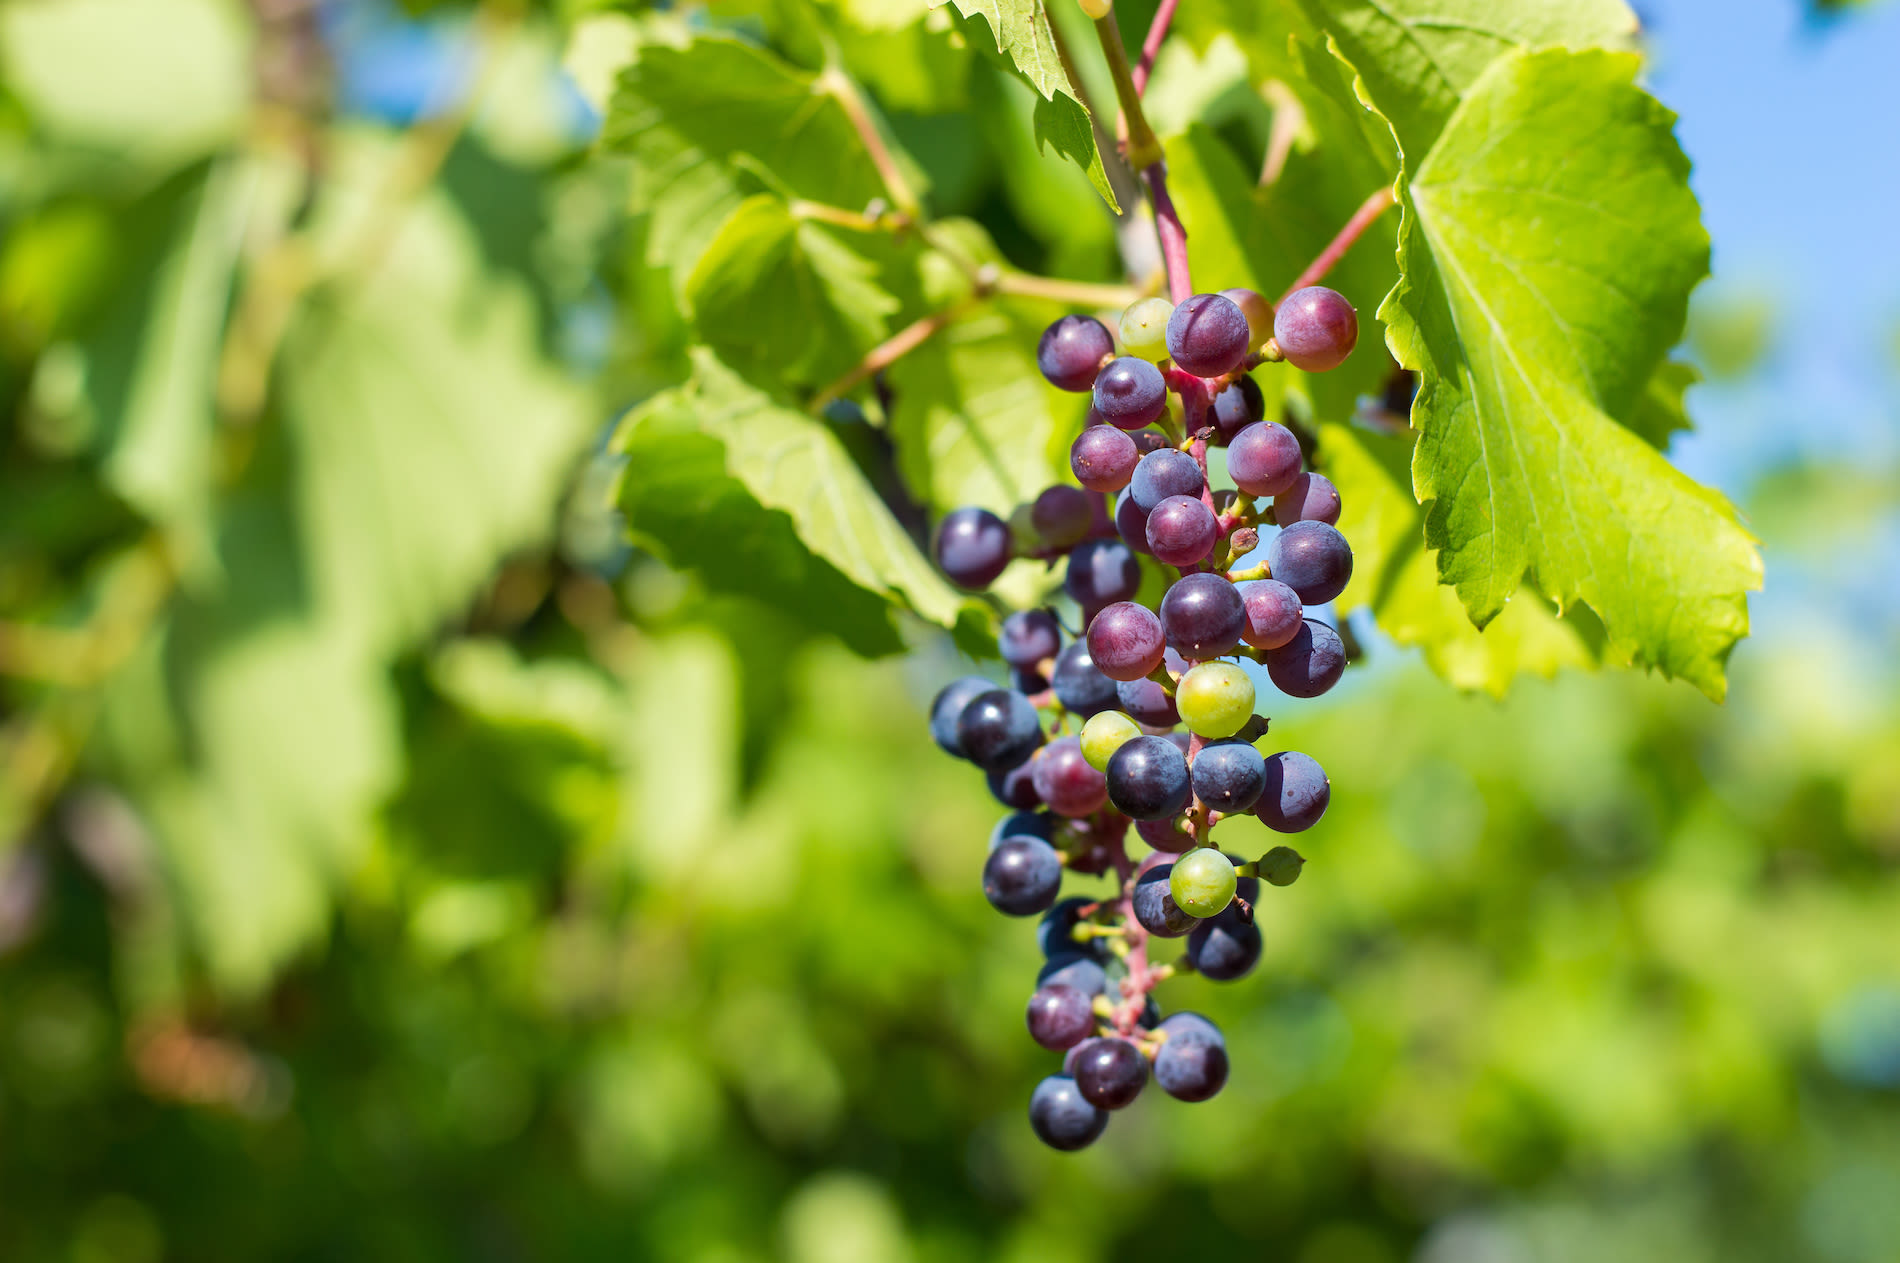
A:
(1137, 675)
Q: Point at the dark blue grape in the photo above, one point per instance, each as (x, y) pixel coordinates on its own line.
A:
(1238, 406)
(1130, 393)
(1207, 335)
(972, 547)
(1229, 776)
(1203, 616)
(1131, 523)
(1060, 1017)
(1297, 793)
(1316, 328)
(1071, 351)
(1029, 636)
(1147, 703)
(1101, 572)
(1313, 559)
(998, 730)
(1079, 686)
(1029, 824)
(1154, 905)
(1163, 473)
(1077, 970)
(1055, 932)
(1192, 1063)
(1028, 681)
(1022, 876)
(1016, 786)
(948, 705)
(1061, 1117)
(1223, 947)
(1148, 779)
(1061, 517)
(1110, 1071)
(1310, 663)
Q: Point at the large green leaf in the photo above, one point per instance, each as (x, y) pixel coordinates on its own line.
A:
(1022, 33)
(1549, 245)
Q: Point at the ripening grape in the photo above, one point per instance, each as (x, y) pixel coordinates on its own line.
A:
(1031, 824)
(1144, 328)
(1148, 779)
(1125, 640)
(1192, 1064)
(1058, 1113)
(1071, 352)
(1130, 393)
(1016, 786)
(1259, 314)
(998, 729)
(1154, 906)
(1264, 459)
(1165, 835)
(1065, 780)
(1182, 531)
(1164, 473)
(949, 704)
(1022, 876)
(1282, 865)
(1110, 1071)
(1202, 882)
(1203, 616)
(1131, 523)
(1310, 663)
(1313, 559)
(1101, 572)
(1316, 329)
(1311, 498)
(1207, 335)
(1273, 612)
(1079, 685)
(1104, 734)
(1296, 796)
(1215, 699)
(1103, 458)
(1029, 636)
(1147, 703)
(1229, 776)
(1224, 948)
(1060, 1017)
(1061, 517)
(1237, 407)
(973, 547)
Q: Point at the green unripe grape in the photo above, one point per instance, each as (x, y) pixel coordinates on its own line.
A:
(1282, 865)
(1104, 734)
(1215, 699)
(1144, 329)
(1202, 882)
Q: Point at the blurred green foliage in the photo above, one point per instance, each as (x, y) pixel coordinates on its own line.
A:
(396, 864)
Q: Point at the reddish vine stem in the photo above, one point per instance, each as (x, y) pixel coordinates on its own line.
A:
(1173, 236)
(1362, 219)
(1157, 31)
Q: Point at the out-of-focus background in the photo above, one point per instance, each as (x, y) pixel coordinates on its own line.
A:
(396, 864)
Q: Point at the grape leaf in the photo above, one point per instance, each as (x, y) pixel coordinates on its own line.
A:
(1022, 32)
(777, 296)
(1549, 244)
(1659, 411)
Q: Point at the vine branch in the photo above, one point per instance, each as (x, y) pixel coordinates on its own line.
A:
(1335, 250)
(1157, 31)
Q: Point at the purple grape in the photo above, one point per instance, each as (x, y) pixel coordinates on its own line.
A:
(1031, 824)
(1147, 703)
(1310, 663)
(1164, 473)
(1101, 572)
(1125, 641)
(1273, 612)
(1237, 407)
(1027, 680)
(1131, 393)
(1061, 516)
(1264, 459)
(1316, 329)
(1110, 1071)
(1060, 1017)
(1259, 313)
(1079, 685)
(1061, 1117)
(1148, 779)
(1065, 780)
(1054, 933)
(1207, 335)
(1182, 531)
(1073, 969)
(1165, 835)
(1203, 616)
(972, 547)
(1022, 876)
(1149, 441)
(1297, 793)
(998, 729)
(1154, 904)
(1311, 498)
(948, 705)
(1313, 559)
(1016, 787)
(1029, 636)
(1071, 352)
(1103, 458)
(1131, 523)
(1229, 776)
(1223, 947)
(1192, 1063)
